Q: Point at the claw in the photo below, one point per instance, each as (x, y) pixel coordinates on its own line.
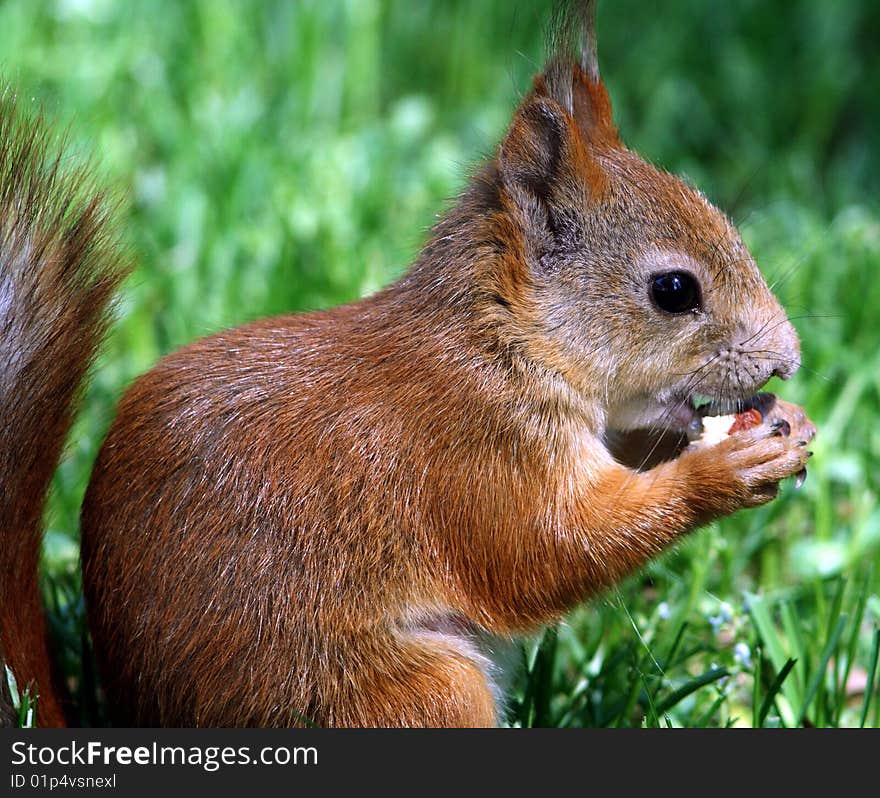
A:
(800, 478)
(781, 427)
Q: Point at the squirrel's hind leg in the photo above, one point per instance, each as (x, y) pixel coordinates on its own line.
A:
(425, 679)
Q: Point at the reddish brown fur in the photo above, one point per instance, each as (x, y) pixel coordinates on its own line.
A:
(58, 270)
(319, 518)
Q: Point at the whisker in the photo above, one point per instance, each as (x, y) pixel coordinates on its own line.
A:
(816, 316)
(786, 275)
(765, 325)
(697, 370)
(769, 354)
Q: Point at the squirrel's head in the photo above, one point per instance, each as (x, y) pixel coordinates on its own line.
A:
(633, 286)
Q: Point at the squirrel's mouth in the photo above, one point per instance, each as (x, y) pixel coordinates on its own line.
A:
(682, 413)
(642, 434)
(676, 413)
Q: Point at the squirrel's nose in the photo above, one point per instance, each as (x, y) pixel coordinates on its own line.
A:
(784, 371)
(787, 349)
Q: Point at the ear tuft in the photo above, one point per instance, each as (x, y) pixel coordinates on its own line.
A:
(571, 75)
(572, 37)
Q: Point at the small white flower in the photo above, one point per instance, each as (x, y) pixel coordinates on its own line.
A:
(743, 654)
(663, 610)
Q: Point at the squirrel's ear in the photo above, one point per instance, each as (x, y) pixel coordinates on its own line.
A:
(529, 156)
(571, 76)
(566, 114)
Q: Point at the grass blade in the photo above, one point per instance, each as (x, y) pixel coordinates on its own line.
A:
(872, 672)
(799, 649)
(852, 645)
(704, 719)
(756, 685)
(540, 681)
(12, 687)
(711, 675)
(778, 657)
(652, 716)
(676, 643)
(819, 674)
(772, 692)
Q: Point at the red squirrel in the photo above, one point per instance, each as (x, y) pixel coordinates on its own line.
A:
(321, 518)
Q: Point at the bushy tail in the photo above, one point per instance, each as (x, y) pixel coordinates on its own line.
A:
(60, 265)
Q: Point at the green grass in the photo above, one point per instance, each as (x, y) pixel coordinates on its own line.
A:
(22, 700)
(291, 155)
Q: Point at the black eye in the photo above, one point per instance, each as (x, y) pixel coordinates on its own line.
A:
(675, 292)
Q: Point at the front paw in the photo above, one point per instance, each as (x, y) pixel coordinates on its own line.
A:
(801, 428)
(744, 470)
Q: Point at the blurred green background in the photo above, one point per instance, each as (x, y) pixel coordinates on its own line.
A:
(291, 155)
